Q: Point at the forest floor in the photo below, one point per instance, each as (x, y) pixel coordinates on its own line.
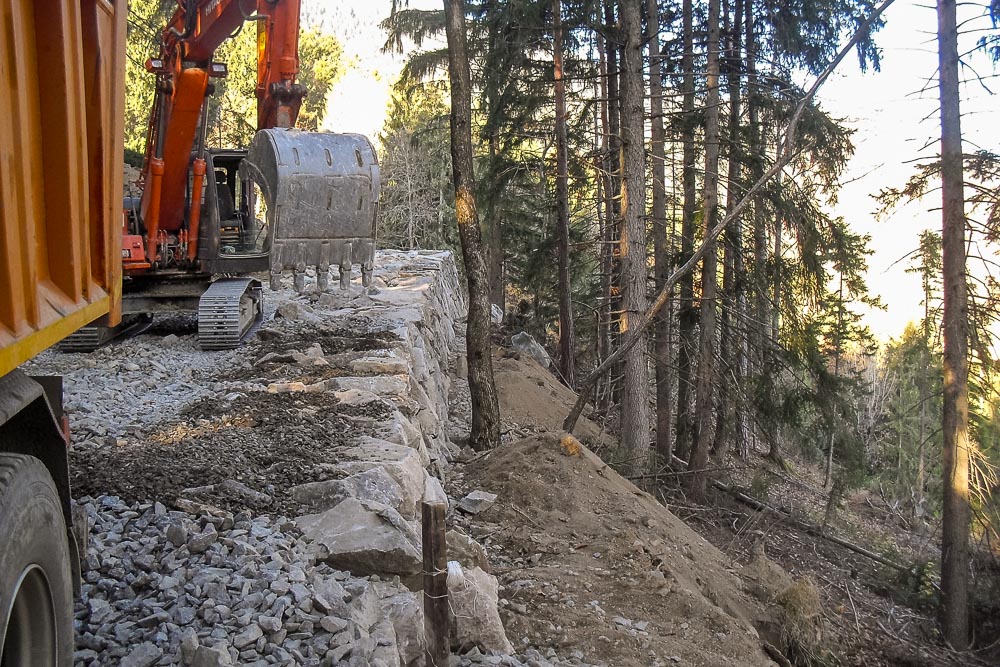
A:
(590, 563)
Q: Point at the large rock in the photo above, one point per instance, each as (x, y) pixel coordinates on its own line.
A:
(381, 362)
(477, 622)
(477, 501)
(466, 550)
(386, 653)
(401, 431)
(526, 344)
(143, 655)
(356, 397)
(403, 464)
(405, 612)
(365, 609)
(363, 537)
(291, 310)
(380, 385)
(374, 485)
(216, 656)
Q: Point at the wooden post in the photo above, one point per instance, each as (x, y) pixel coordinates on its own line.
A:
(436, 618)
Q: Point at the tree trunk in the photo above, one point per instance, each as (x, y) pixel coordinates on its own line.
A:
(772, 341)
(635, 404)
(828, 479)
(494, 245)
(661, 261)
(613, 192)
(485, 409)
(955, 418)
(567, 362)
(731, 419)
(756, 338)
(705, 407)
(605, 214)
(686, 314)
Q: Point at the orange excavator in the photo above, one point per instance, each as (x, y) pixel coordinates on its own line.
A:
(210, 217)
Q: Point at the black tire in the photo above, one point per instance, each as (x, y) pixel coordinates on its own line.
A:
(36, 593)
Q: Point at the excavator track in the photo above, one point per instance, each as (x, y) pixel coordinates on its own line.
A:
(229, 311)
(90, 338)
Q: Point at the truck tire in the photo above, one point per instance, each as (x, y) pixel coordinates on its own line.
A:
(36, 594)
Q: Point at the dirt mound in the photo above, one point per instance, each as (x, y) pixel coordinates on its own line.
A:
(531, 396)
(593, 564)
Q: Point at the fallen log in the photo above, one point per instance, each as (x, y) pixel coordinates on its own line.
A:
(815, 531)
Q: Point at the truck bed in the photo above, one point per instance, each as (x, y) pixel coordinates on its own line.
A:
(61, 110)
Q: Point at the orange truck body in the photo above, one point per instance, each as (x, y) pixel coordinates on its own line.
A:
(62, 71)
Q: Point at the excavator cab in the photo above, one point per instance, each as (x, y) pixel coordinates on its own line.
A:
(237, 234)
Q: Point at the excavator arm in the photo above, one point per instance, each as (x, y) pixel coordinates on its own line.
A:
(183, 71)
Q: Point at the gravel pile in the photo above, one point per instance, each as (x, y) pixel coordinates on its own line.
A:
(164, 587)
(120, 390)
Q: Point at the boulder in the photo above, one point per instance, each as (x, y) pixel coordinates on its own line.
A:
(403, 464)
(386, 653)
(297, 312)
(365, 608)
(401, 431)
(374, 484)
(526, 344)
(356, 397)
(215, 656)
(143, 655)
(381, 362)
(329, 597)
(381, 385)
(466, 550)
(363, 537)
(405, 612)
(477, 501)
(476, 619)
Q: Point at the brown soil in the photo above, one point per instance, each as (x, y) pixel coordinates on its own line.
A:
(572, 532)
(568, 530)
(531, 396)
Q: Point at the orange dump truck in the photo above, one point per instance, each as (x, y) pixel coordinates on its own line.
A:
(61, 115)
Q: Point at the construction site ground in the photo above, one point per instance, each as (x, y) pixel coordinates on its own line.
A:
(592, 570)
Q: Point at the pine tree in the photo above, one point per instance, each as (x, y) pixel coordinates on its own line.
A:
(635, 404)
(705, 379)
(482, 387)
(955, 419)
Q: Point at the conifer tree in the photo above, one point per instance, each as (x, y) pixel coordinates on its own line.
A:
(635, 405)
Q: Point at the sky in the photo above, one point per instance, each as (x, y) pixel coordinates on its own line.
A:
(359, 101)
(894, 113)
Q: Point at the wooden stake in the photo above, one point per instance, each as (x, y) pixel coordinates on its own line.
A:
(436, 619)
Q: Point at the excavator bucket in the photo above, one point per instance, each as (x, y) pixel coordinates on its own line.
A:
(319, 191)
